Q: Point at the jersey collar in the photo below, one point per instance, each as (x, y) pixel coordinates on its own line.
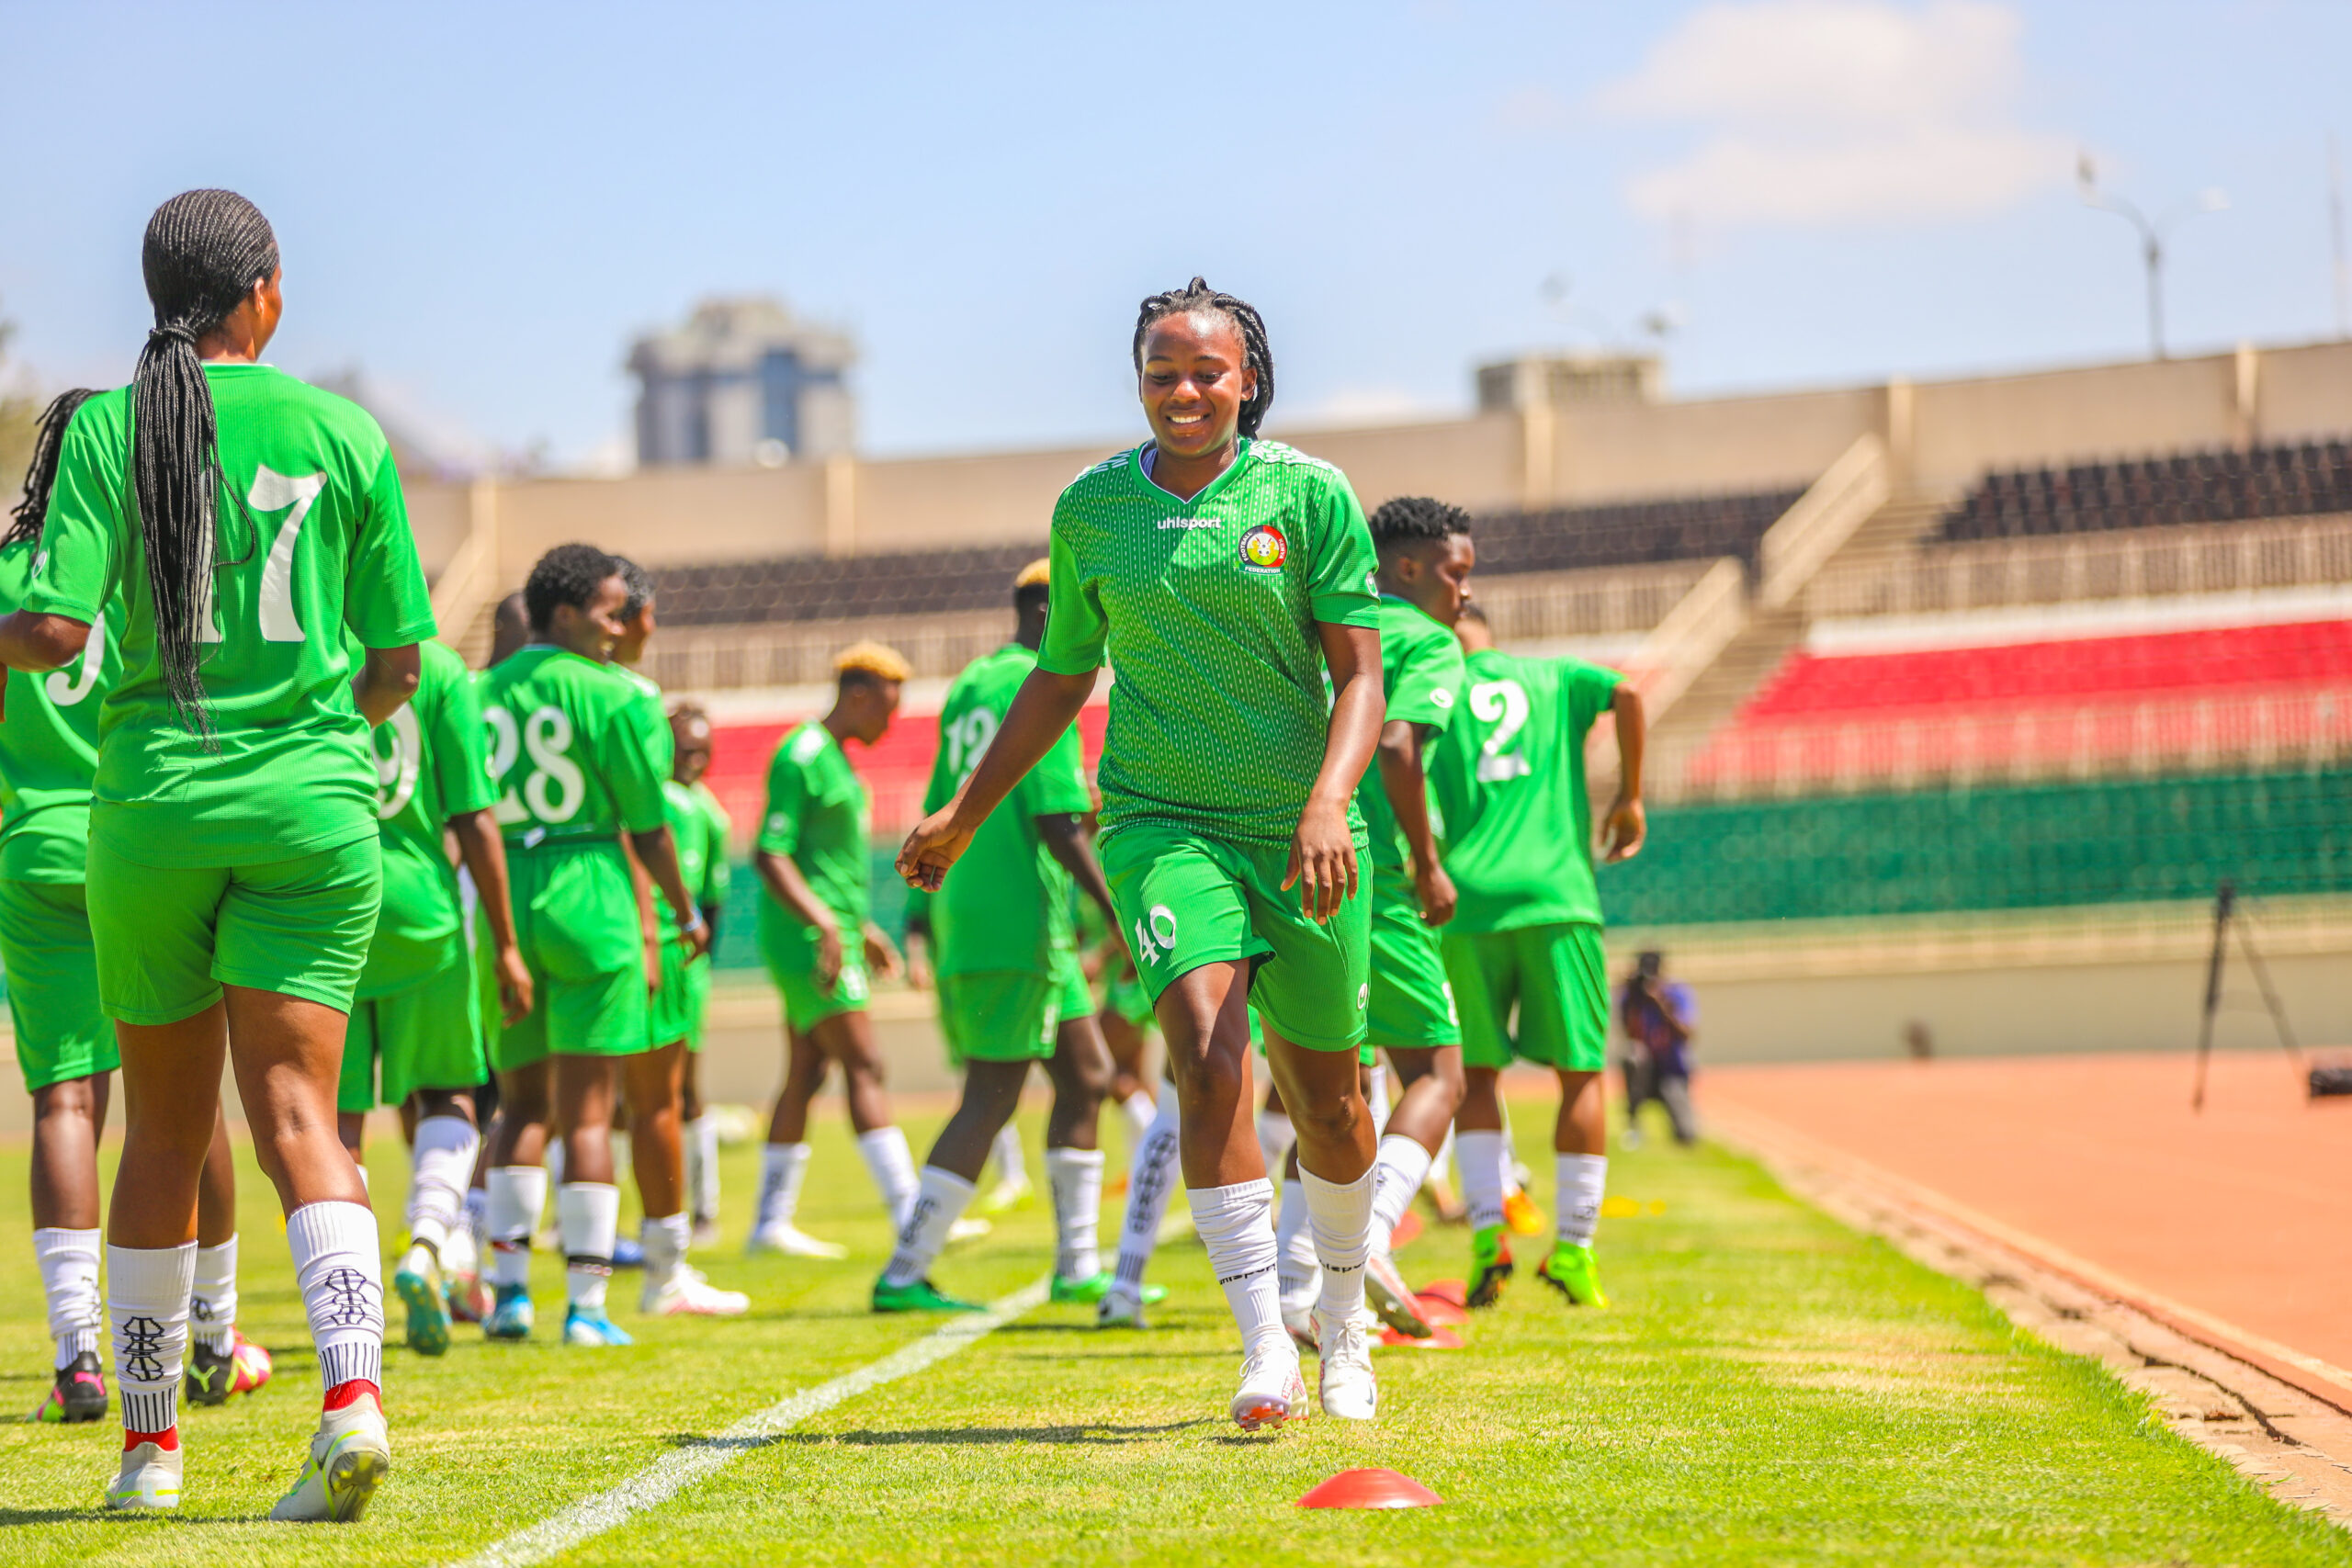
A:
(1208, 491)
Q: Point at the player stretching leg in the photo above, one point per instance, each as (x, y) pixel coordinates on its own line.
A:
(576, 751)
(1010, 991)
(698, 822)
(1509, 776)
(1223, 575)
(244, 523)
(812, 859)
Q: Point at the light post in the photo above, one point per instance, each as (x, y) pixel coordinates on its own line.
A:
(2152, 236)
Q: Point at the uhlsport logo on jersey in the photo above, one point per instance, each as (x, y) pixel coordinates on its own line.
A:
(1264, 549)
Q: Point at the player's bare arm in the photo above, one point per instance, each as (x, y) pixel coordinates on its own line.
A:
(37, 642)
(483, 850)
(1066, 839)
(1406, 784)
(659, 850)
(1047, 705)
(388, 677)
(1323, 852)
(784, 884)
(1626, 825)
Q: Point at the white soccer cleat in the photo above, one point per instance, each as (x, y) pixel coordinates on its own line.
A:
(350, 1455)
(1347, 1388)
(1119, 1308)
(790, 1241)
(1272, 1391)
(687, 1295)
(968, 1228)
(1385, 1292)
(1012, 1192)
(150, 1479)
(1300, 1321)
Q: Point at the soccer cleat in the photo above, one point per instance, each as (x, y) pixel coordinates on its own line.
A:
(589, 1328)
(790, 1241)
(1385, 1292)
(1570, 1271)
(470, 1297)
(511, 1314)
(212, 1379)
(1119, 1308)
(1346, 1388)
(78, 1394)
(1490, 1266)
(921, 1296)
(687, 1295)
(418, 1280)
(150, 1477)
(1272, 1391)
(1300, 1321)
(628, 1252)
(1522, 1215)
(1091, 1290)
(967, 1229)
(1012, 1192)
(350, 1455)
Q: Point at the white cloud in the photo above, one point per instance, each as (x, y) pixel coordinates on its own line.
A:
(1820, 112)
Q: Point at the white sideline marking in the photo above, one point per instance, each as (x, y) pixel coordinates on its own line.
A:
(676, 1470)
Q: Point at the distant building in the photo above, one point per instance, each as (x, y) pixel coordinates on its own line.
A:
(743, 381)
(1553, 380)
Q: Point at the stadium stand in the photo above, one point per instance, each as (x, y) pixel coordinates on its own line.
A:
(2222, 486)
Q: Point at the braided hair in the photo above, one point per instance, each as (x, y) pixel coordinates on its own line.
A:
(204, 251)
(1198, 297)
(1409, 519)
(41, 474)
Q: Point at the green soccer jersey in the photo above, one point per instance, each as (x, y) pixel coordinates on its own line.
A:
(572, 746)
(1509, 779)
(1005, 905)
(49, 744)
(666, 751)
(311, 541)
(1420, 670)
(817, 813)
(431, 764)
(698, 825)
(1207, 610)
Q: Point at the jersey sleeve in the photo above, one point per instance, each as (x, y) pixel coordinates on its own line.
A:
(1429, 682)
(79, 563)
(787, 796)
(1076, 631)
(460, 746)
(1342, 590)
(385, 602)
(1586, 690)
(630, 751)
(1057, 783)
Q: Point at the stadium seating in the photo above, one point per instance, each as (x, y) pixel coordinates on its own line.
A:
(2309, 479)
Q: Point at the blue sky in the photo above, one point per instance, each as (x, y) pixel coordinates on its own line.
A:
(479, 205)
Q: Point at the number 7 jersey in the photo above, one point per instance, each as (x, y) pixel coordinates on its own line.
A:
(572, 748)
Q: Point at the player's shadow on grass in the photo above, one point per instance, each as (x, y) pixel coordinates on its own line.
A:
(1088, 1434)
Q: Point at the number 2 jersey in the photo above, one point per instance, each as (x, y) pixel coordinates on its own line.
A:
(321, 545)
(1508, 777)
(574, 751)
(49, 746)
(431, 764)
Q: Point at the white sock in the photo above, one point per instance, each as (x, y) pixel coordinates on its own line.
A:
(1484, 1160)
(554, 1160)
(1341, 1213)
(339, 1268)
(69, 1282)
(1236, 1225)
(1274, 1138)
(1402, 1165)
(478, 1215)
(1151, 1179)
(940, 1198)
(1139, 1108)
(1012, 1162)
(1076, 1177)
(702, 1168)
(783, 1167)
(665, 1242)
(1300, 1273)
(212, 1299)
(511, 1215)
(1582, 1179)
(444, 1158)
(147, 1295)
(1375, 1095)
(587, 1221)
(892, 1166)
(1511, 1159)
(458, 1253)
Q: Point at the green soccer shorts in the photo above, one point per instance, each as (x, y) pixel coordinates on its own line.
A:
(1553, 975)
(1186, 900)
(429, 1036)
(996, 1015)
(1413, 1001)
(575, 920)
(168, 938)
(52, 967)
(670, 1012)
(1127, 996)
(790, 950)
(697, 985)
(1077, 999)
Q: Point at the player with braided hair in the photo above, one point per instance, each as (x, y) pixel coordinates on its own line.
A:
(250, 527)
(1225, 575)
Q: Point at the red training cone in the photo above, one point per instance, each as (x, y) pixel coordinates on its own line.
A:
(1439, 1313)
(1406, 1229)
(1445, 1291)
(1438, 1340)
(1370, 1489)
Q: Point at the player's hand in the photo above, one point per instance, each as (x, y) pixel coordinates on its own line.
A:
(513, 985)
(1322, 861)
(934, 846)
(1623, 830)
(882, 954)
(829, 955)
(1435, 891)
(697, 940)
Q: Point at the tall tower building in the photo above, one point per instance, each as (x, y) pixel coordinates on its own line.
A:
(743, 381)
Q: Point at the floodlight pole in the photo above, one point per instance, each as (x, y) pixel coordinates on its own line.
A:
(2152, 238)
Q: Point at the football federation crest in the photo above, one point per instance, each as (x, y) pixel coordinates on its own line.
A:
(1264, 549)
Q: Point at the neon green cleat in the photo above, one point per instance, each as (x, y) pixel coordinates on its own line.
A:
(1570, 1271)
(1088, 1291)
(921, 1296)
(1490, 1266)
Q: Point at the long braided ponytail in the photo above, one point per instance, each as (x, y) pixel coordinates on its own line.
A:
(1197, 296)
(41, 474)
(204, 251)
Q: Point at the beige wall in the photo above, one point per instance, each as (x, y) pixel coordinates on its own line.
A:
(1629, 450)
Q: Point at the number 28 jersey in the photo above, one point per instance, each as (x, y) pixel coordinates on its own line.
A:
(430, 766)
(573, 750)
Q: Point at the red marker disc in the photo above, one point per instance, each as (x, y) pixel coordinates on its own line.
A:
(1370, 1489)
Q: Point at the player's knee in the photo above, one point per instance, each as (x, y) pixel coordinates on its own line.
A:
(1328, 1118)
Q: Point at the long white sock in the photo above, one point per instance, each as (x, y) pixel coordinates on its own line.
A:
(69, 1283)
(940, 1198)
(1341, 1213)
(444, 1158)
(1582, 1180)
(1076, 1177)
(512, 1202)
(665, 1242)
(587, 1221)
(1511, 1159)
(1301, 1274)
(339, 1268)
(1274, 1138)
(1402, 1165)
(147, 1295)
(892, 1166)
(1011, 1163)
(1485, 1159)
(1236, 1225)
(1139, 1108)
(1375, 1094)
(478, 1216)
(702, 1168)
(1151, 1179)
(783, 1167)
(212, 1299)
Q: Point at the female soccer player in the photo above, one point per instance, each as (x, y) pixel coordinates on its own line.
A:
(1223, 575)
(246, 521)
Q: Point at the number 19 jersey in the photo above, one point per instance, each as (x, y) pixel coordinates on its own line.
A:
(573, 750)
